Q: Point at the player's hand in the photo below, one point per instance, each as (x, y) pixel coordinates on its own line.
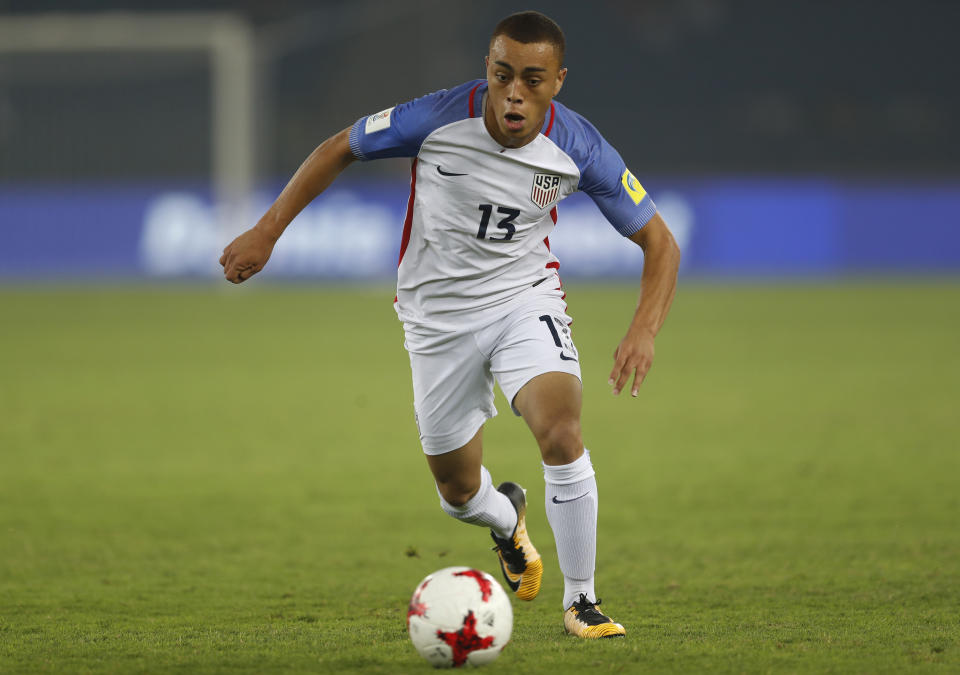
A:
(633, 358)
(246, 255)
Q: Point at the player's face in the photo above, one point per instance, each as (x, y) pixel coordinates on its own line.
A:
(522, 80)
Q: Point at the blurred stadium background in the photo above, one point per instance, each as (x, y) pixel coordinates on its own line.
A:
(779, 139)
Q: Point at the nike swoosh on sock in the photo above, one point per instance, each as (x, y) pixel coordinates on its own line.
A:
(564, 501)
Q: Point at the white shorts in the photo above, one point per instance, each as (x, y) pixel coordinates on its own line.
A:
(454, 370)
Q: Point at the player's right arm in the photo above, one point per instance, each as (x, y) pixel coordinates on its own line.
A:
(395, 132)
(247, 254)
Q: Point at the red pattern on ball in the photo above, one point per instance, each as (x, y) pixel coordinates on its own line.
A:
(416, 607)
(465, 640)
(486, 588)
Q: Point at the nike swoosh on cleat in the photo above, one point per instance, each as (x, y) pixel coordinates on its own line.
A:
(564, 501)
(448, 173)
(566, 358)
(514, 585)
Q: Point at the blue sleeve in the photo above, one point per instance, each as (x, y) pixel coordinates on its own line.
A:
(605, 177)
(400, 131)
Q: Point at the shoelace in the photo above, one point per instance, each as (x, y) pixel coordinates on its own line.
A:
(587, 611)
(512, 553)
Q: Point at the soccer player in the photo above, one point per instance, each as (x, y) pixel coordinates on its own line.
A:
(479, 294)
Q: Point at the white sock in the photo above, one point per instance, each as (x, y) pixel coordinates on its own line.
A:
(571, 500)
(487, 508)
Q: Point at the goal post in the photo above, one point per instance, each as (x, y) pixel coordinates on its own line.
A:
(227, 38)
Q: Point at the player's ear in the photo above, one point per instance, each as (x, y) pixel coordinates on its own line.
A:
(561, 76)
(486, 64)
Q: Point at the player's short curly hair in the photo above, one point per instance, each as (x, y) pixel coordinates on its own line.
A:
(530, 26)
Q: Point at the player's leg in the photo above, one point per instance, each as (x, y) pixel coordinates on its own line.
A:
(537, 368)
(550, 404)
(467, 493)
(453, 398)
(458, 472)
(466, 488)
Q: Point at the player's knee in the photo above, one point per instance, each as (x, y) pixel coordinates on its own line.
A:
(561, 443)
(457, 492)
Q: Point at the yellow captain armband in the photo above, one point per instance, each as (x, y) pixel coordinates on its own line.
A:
(632, 186)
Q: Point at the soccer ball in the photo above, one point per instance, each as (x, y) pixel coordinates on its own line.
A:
(459, 616)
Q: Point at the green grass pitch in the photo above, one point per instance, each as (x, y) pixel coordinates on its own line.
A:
(222, 479)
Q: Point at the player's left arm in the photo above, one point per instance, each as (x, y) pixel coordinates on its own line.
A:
(658, 284)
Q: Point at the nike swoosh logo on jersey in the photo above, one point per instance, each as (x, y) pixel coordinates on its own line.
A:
(448, 173)
(564, 501)
(566, 358)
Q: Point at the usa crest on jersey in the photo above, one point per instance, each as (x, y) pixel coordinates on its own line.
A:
(546, 189)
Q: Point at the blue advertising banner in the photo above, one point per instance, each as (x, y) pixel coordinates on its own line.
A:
(739, 227)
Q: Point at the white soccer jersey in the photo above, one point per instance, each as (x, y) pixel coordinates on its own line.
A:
(479, 215)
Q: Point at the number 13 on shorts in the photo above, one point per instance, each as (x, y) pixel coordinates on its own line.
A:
(560, 332)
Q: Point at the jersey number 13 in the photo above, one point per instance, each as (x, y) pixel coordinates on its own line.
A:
(506, 224)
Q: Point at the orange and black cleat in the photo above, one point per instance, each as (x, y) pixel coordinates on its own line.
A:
(583, 619)
(519, 561)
